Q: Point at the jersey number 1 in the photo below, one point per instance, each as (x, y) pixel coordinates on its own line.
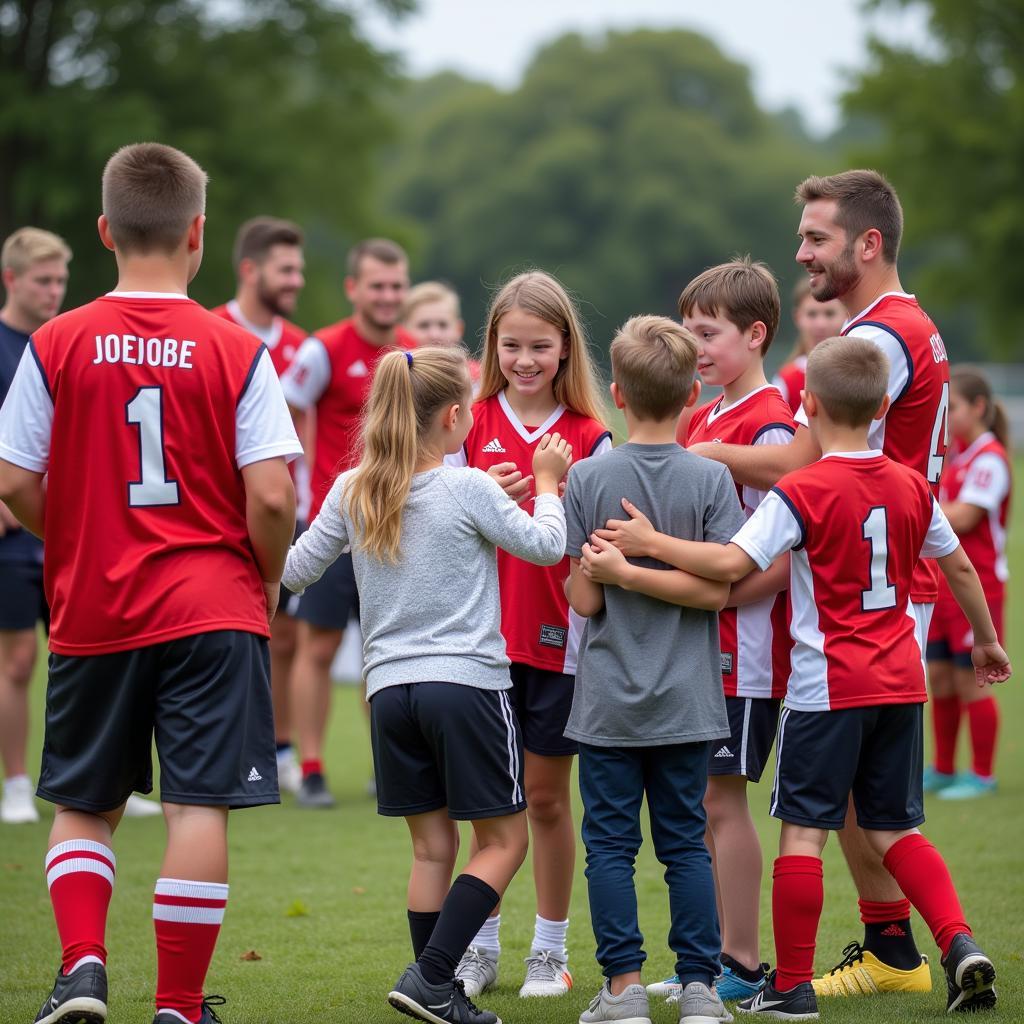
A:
(881, 594)
(145, 411)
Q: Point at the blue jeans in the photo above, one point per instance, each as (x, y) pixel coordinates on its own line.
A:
(613, 781)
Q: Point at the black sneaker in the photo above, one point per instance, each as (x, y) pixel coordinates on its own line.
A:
(799, 1003)
(77, 998)
(436, 1004)
(970, 977)
(313, 792)
(208, 1016)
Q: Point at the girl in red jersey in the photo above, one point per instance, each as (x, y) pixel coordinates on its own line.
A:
(537, 377)
(975, 493)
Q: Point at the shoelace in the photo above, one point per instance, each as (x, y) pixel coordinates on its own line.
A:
(460, 986)
(853, 953)
(209, 1002)
(540, 964)
(473, 961)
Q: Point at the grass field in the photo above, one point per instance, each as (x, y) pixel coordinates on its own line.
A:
(319, 897)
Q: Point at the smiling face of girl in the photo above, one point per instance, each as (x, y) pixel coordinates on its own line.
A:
(530, 351)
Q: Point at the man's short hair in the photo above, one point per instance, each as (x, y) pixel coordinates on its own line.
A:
(151, 193)
(849, 377)
(382, 249)
(741, 291)
(654, 361)
(258, 236)
(430, 291)
(28, 246)
(864, 200)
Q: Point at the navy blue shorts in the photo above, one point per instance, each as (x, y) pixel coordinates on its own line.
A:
(288, 602)
(333, 599)
(205, 697)
(876, 753)
(446, 745)
(753, 722)
(542, 700)
(22, 601)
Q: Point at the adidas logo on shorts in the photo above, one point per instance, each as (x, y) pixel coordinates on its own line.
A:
(494, 446)
(254, 776)
(722, 752)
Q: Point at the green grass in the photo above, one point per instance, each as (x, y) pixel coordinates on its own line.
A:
(320, 896)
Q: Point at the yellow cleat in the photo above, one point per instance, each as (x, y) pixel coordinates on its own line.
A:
(861, 973)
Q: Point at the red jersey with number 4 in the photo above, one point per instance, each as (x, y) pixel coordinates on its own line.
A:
(143, 449)
(283, 338)
(539, 627)
(754, 638)
(856, 524)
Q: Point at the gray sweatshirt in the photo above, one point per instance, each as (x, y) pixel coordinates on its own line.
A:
(435, 615)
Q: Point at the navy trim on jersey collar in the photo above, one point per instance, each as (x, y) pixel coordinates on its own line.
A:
(39, 363)
(788, 427)
(600, 441)
(796, 515)
(251, 373)
(903, 345)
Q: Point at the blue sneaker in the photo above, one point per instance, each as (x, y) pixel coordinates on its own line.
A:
(730, 986)
(967, 787)
(936, 782)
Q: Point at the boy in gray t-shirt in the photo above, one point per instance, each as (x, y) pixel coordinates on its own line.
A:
(648, 699)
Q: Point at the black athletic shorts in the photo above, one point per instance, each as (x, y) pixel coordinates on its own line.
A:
(446, 745)
(542, 700)
(875, 753)
(333, 599)
(287, 602)
(22, 601)
(206, 698)
(753, 722)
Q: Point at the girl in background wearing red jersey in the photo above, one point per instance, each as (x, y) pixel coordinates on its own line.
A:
(975, 495)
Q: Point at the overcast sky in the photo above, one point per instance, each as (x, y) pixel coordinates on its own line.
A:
(799, 52)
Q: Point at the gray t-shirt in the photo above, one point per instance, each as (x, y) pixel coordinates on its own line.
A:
(649, 672)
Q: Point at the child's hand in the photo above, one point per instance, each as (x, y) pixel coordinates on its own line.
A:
(602, 562)
(634, 537)
(991, 665)
(511, 481)
(551, 461)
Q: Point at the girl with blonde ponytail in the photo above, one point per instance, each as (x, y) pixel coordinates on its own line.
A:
(446, 744)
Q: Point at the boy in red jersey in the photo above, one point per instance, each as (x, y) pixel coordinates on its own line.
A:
(332, 374)
(856, 523)
(162, 567)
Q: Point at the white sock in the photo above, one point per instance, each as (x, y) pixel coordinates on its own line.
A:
(85, 960)
(487, 937)
(550, 935)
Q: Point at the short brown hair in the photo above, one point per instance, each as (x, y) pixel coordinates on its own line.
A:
(151, 193)
(258, 236)
(742, 291)
(382, 249)
(28, 246)
(849, 376)
(654, 361)
(430, 291)
(864, 200)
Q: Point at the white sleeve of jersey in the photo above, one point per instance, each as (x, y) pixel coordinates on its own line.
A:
(604, 445)
(940, 539)
(458, 459)
(782, 386)
(777, 435)
(987, 483)
(900, 372)
(26, 418)
(772, 529)
(263, 424)
(308, 376)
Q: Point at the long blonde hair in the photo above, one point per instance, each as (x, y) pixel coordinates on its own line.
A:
(575, 385)
(409, 390)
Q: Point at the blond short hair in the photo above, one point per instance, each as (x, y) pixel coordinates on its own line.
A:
(151, 193)
(28, 246)
(429, 291)
(849, 377)
(654, 362)
(381, 249)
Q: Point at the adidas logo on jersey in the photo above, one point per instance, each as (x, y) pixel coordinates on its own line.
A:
(724, 752)
(254, 776)
(358, 369)
(494, 446)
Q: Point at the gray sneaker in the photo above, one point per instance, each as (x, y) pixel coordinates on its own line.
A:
(547, 974)
(477, 970)
(313, 792)
(629, 1007)
(699, 1004)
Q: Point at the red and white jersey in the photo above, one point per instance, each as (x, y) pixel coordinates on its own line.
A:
(914, 432)
(754, 638)
(856, 524)
(979, 475)
(143, 408)
(539, 627)
(790, 381)
(333, 373)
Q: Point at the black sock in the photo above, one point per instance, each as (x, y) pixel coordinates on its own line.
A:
(893, 943)
(751, 974)
(421, 927)
(468, 904)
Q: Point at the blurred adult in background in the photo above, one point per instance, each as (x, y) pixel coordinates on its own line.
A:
(269, 267)
(332, 375)
(433, 316)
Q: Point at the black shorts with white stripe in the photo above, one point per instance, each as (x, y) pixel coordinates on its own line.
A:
(446, 745)
(752, 725)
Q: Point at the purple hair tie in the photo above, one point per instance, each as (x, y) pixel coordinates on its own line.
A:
(408, 358)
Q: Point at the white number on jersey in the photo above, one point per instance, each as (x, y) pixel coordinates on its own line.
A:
(145, 411)
(881, 594)
(940, 437)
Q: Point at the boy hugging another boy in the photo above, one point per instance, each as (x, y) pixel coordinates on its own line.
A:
(648, 701)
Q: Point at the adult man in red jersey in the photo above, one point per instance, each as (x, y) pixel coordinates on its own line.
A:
(332, 375)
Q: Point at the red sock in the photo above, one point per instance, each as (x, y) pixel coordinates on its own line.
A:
(312, 766)
(873, 912)
(187, 917)
(983, 717)
(80, 874)
(922, 874)
(946, 723)
(797, 897)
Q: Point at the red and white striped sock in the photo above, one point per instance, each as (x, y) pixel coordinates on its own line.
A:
(80, 876)
(186, 917)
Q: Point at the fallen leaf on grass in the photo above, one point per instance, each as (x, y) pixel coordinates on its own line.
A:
(297, 909)
(250, 954)
(358, 890)
(12, 867)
